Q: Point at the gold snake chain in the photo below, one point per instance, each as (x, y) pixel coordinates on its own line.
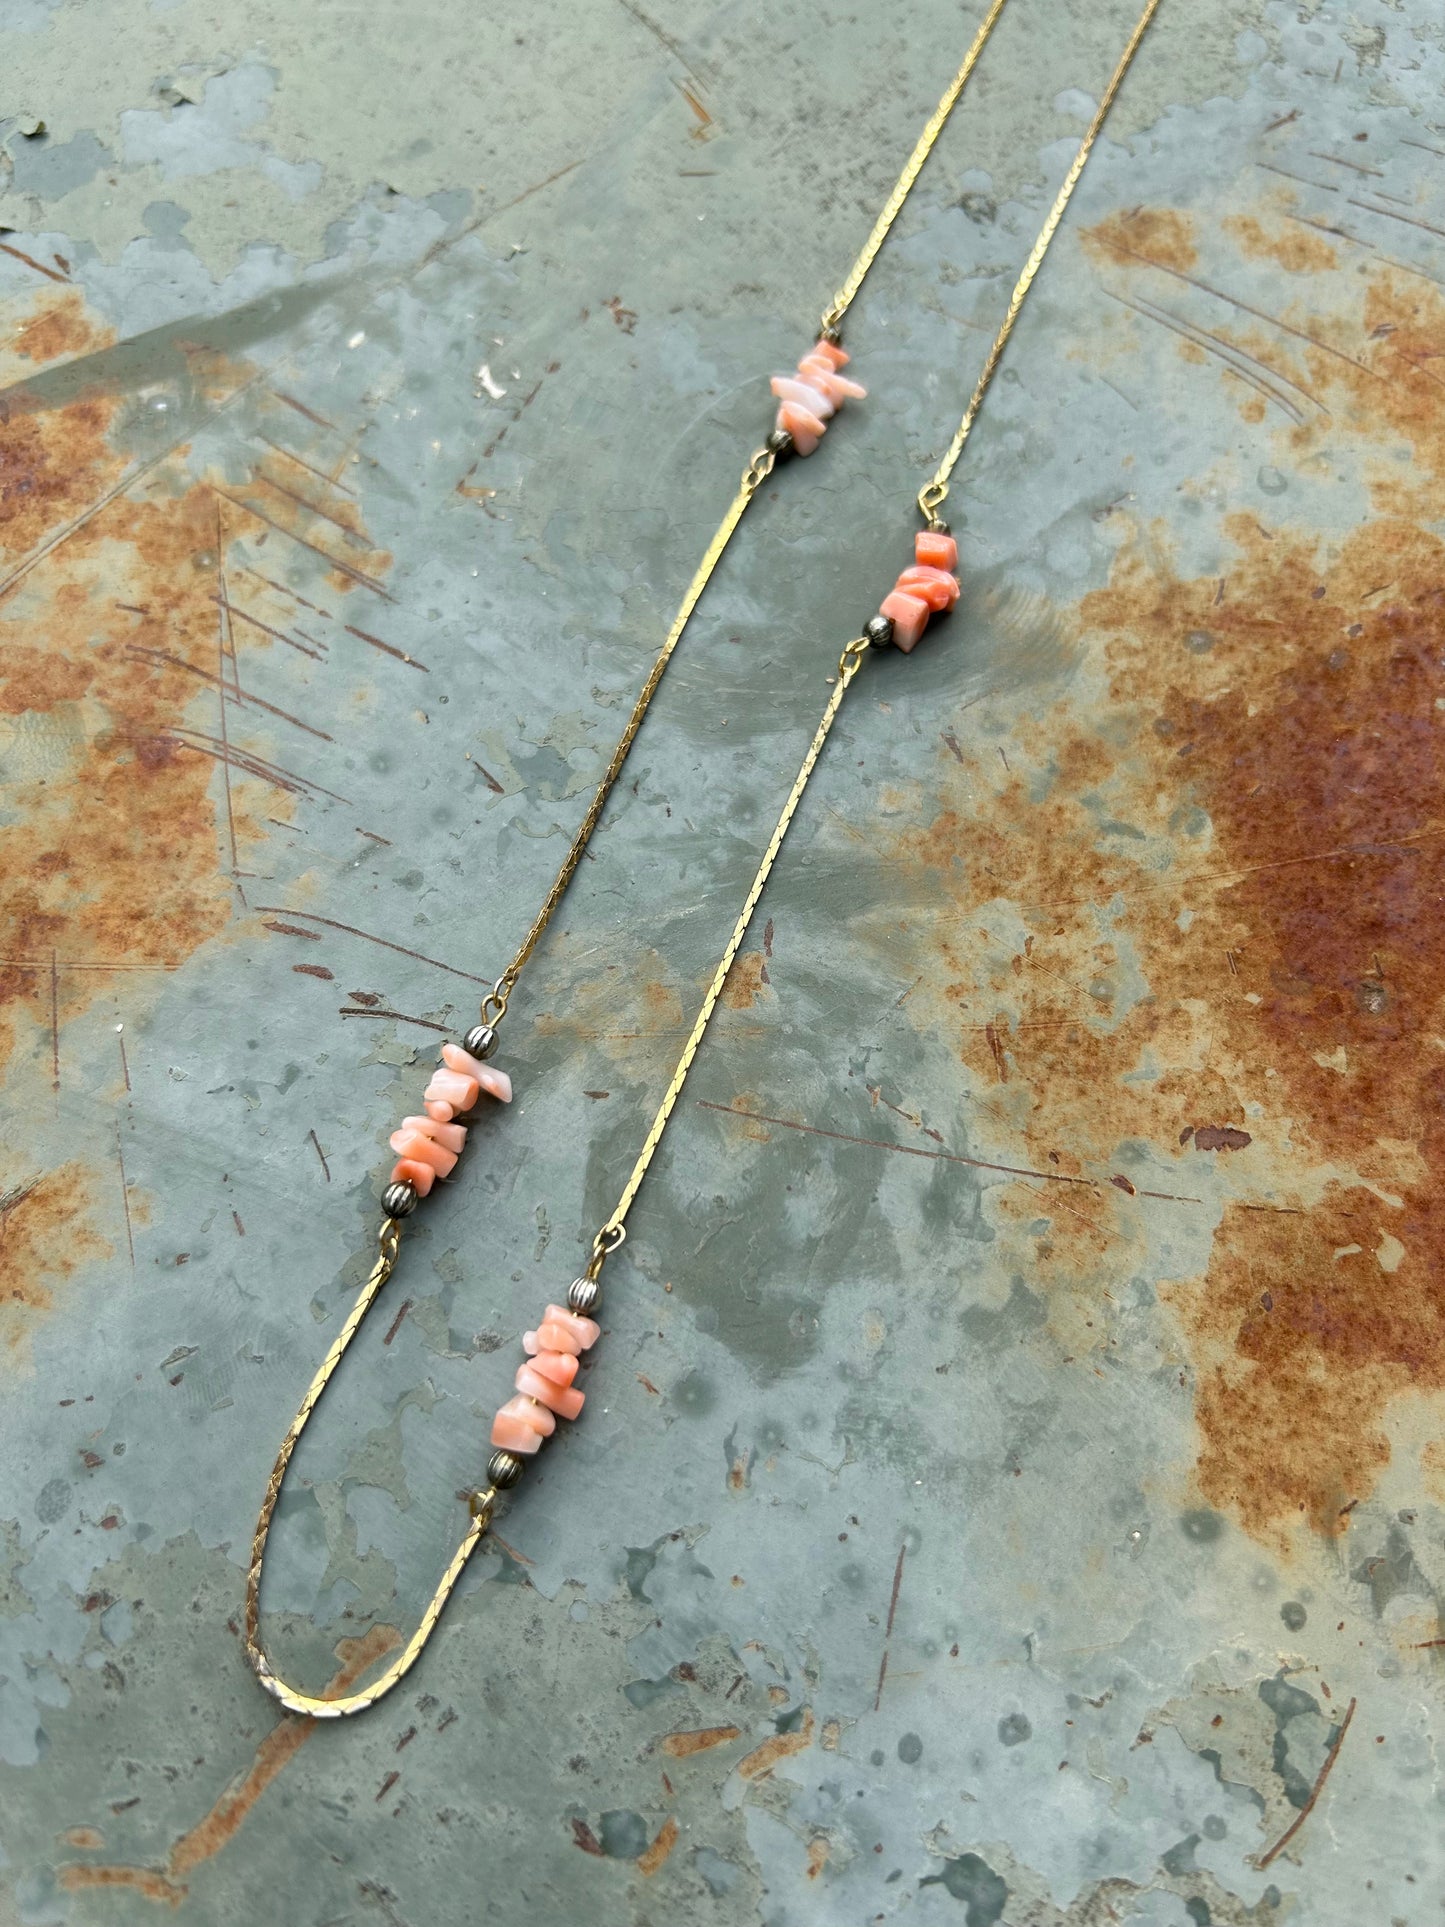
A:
(613, 1231)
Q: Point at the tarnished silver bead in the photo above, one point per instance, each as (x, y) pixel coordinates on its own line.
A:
(879, 631)
(399, 1200)
(833, 334)
(504, 1469)
(584, 1296)
(480, 1041)
(780, 442)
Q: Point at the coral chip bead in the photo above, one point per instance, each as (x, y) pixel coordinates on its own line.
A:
(909, 617)
(938, 550)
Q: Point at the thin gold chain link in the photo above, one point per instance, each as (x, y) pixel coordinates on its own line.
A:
(913, 167)
(932, 495)
(758, 471)
(848, 665)
(389, 1240)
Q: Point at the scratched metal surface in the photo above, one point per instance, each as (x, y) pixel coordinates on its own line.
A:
(1012, 1487)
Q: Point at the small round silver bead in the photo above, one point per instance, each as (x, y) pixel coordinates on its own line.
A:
(480, 1041)
(584, 1296)
(504, 1469)
(399, 1200)
(879, 631)
(780, 442)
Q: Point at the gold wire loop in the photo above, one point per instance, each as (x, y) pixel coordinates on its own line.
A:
(852, 655)
(494, 1004)
(610, 1238)
(764, 461)
(931, 498)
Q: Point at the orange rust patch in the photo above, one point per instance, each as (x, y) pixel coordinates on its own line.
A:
(112, 857)
(114, 659)
(62, 326)
(45, 1233)
(682, 1746)
(747, 980)
(1160, 234)
(652, 1857)
(281, 497)
(1284, 1320)
(1298, 250)
(223, 1822)
(1248, 803)
(616, 1005)
(145, 1881)
(762, 1759)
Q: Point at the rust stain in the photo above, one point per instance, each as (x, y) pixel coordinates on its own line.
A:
(682, 1746)
(45, 1234)
(58, 327)
(818, 1848)
(220, 1826)
(112, 816)
(762, 1759)
(324, 524)
(747, 980)
(616, 1005)
(1254, 783)
(1296, 249)
(119, 693)
(1163, 234)
(651, 1858)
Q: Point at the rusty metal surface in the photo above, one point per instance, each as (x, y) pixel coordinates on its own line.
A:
(1013, 1485)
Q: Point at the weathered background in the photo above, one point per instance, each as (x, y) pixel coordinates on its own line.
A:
(1017, 1450)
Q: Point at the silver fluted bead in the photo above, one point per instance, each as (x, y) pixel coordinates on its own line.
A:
(480, 1041)
(584, 1296)
(879, 631)
(504, 1469)
(399, 1200)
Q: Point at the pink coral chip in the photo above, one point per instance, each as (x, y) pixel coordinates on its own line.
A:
(412, 1171)
(561, 1399)
(909, 616)
(521, 1425)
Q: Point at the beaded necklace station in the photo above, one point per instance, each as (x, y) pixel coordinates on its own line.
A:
(428, 1145)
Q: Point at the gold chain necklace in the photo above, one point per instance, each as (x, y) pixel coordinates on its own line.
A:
(429, 1145)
